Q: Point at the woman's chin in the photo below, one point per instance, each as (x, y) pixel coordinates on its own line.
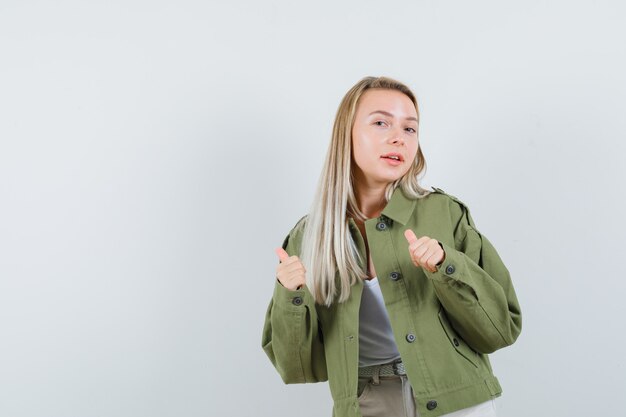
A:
(379, 181)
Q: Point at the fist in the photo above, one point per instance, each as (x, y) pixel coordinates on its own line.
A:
(425, 252)
(290, 271)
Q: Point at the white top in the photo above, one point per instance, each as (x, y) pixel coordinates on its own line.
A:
(376, 342)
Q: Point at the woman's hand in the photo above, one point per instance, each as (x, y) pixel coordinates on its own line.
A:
(290, 271)
(425, 252)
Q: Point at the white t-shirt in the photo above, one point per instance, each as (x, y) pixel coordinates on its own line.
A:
(376, 342)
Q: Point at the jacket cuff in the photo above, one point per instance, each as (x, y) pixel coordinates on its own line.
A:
(453, 268)
(287, 299)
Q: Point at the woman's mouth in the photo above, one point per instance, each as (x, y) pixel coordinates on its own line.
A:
(393, 159)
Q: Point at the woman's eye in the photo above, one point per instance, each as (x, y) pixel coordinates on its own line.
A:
(410, 129)
(378, 121)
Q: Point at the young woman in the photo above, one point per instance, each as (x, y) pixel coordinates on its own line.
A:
(387, 290)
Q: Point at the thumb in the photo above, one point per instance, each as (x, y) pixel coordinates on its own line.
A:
(282, 254)
(410, 236)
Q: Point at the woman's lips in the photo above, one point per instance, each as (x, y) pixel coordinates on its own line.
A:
(390, 161)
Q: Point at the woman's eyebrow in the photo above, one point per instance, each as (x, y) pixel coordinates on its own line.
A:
(391, 115)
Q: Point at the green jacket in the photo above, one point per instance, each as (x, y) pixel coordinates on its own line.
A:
(444, 322)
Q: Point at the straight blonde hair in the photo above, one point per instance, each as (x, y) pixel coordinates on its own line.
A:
(328, 249)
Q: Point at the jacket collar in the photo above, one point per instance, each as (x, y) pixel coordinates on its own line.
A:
(400, 207)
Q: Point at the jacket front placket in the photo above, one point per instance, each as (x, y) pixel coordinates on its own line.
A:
(385, 238)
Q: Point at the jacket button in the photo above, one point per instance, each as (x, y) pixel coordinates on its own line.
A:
(395, 276)
(450, 269)
(431, 405)
(455, 341)
(297, 300)
(410, 338)
(381, 226)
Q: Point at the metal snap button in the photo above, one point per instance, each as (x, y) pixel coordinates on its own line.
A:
(395, 276)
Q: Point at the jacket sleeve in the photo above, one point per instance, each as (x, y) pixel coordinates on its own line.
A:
(474, 287)
(292, 337)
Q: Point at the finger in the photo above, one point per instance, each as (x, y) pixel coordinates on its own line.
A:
(438, 255)
(429, 258)
(433, 256)
(420, 247)
(282, 254)
(419, 244)
(297, 282)
(294, 282)
(290, 261)
(294, 267)
(410, 236)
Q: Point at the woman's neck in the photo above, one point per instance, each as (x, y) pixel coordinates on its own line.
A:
(371, 201)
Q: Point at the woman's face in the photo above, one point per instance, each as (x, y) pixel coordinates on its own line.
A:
(384, 137)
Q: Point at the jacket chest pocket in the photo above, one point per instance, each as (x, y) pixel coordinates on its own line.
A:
(457, 342)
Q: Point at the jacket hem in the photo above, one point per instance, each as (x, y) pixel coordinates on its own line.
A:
(448, 401)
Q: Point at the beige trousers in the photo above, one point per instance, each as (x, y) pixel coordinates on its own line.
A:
(392, 396)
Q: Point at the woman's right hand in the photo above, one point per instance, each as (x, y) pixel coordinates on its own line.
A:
(290, 271)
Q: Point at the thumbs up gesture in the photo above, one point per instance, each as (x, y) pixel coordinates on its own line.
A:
(290, 271)
(425, 252)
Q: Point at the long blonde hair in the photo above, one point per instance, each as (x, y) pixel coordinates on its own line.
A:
(327, 245)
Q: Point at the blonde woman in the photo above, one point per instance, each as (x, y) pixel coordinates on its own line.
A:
(386, 290)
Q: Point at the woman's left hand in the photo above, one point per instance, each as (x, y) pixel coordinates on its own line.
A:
(425, 252)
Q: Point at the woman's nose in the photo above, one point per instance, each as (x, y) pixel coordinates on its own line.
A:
(396, 136)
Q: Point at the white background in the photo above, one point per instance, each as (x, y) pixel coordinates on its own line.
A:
(153, 154)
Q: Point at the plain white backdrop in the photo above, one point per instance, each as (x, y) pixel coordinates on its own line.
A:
(153, 154)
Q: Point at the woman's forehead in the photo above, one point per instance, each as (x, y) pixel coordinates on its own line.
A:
(392, 102)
